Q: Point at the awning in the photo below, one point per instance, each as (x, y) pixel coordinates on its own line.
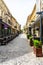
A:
(37, 21)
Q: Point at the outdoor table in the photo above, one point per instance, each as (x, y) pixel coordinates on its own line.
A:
(1, 40)
(5, 39)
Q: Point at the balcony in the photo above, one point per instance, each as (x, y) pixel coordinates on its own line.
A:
(15, 26)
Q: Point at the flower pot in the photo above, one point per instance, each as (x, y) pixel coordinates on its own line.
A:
(38, 51)
(28, 36)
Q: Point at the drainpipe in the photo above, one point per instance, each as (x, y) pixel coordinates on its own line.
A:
(40, 28)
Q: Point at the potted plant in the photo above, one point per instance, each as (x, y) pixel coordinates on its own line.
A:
(28, 36)
(37, 48)
(31, 40)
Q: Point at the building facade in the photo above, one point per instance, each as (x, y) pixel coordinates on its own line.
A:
(30, 19)
(8, 24)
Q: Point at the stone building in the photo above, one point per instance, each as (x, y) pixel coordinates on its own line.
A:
(30, 19)
(8, 24)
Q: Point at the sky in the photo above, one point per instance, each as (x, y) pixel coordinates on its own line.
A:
(20, 9)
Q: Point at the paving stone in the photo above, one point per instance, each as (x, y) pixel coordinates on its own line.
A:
(18, 52)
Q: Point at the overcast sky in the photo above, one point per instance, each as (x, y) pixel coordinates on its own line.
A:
(20, 9)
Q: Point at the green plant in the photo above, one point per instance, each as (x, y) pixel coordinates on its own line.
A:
(30, 37)
(37, 43)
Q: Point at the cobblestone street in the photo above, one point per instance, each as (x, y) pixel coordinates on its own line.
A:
(21, 32)
(18, 52)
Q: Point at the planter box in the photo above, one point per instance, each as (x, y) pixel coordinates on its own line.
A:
(37, 51)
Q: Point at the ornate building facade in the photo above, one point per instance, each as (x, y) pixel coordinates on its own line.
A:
(8, 24)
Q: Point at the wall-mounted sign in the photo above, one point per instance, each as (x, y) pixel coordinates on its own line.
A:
(5, 26)
(41, 1)
(37, 5)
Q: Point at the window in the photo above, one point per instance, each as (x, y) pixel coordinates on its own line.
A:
(15, 26)
(9, 22)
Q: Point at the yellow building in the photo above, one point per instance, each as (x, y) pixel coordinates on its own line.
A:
(39, 19)
(30, 19)
(8, 24)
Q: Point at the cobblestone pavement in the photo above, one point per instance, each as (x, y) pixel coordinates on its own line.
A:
(18, 52)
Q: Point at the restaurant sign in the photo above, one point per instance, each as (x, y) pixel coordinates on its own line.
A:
(41, 1)
(39, 5)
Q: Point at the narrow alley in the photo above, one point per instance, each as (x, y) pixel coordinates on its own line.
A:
(18, 52)
(16, 48)
(21, 32)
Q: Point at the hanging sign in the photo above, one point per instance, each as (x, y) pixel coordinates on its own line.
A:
(37, 5)
(41, 4)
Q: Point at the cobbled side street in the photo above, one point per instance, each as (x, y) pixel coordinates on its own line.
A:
(18, 52)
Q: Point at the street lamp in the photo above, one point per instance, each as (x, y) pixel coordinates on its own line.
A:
(40, 13)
